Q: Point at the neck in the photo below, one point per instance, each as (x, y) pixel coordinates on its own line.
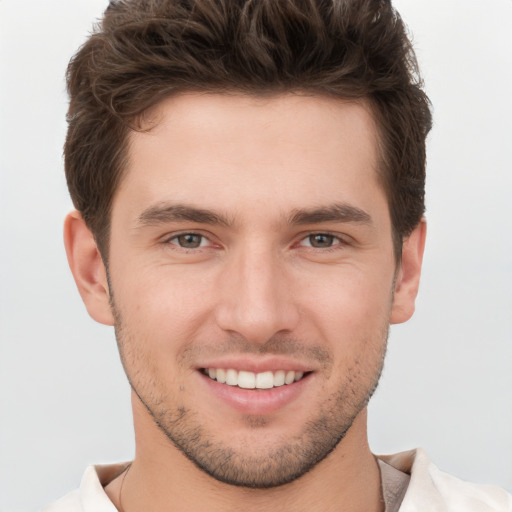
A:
(162, 479)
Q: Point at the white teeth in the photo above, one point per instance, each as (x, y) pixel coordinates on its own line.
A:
(246, 380)
(265, 380)
(232, 377)
(250, 380)
(279, 378)
(289, 378)
(221, 375)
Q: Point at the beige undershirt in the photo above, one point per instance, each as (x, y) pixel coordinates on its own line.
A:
(394, 486)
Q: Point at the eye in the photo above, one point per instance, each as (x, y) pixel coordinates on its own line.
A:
(320, 241)
(189, 240)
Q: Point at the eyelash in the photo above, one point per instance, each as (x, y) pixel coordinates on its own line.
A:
(184, 234)
(336, 242)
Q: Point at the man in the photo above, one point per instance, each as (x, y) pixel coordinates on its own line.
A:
(249, 185)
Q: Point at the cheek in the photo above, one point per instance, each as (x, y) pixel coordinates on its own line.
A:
(352, 318)
(168, 295)
(351, 300)
(161, 312)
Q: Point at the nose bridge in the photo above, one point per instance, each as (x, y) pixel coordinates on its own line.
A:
(256, 300)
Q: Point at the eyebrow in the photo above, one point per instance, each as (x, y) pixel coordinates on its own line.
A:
(339, 212)
(164, 213)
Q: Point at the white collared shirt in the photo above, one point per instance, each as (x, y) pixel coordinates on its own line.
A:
(429, 489)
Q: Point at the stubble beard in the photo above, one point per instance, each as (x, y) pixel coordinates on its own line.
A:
(275, 466)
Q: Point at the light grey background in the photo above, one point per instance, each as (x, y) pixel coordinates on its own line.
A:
(64, 402)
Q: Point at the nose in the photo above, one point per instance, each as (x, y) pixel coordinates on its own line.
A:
(256, 297)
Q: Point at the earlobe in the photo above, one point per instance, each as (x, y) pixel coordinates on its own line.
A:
(87, 268)
(408, 275)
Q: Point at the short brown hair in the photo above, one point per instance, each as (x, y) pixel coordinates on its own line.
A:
(145, 50)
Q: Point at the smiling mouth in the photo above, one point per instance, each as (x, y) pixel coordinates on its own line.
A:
(250, 380)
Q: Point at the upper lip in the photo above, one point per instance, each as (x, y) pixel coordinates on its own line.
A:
(256, 365)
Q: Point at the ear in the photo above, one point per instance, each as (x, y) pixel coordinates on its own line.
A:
(408, 275)
(87, 268)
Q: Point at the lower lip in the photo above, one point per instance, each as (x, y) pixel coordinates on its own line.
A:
(252, 401)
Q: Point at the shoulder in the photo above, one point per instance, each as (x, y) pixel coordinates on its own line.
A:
(69, 503)
(91, 496)
(444, 492)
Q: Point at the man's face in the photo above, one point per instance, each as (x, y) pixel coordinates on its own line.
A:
(251, 240)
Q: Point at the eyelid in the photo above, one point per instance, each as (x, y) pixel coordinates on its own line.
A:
(167, 239)
(202, 240)
(339, 239)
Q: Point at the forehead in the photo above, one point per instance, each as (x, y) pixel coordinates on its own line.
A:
(285, 118)
(229, 150)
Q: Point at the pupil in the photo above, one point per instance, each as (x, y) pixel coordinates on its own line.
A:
(321, 240)
(190, 241)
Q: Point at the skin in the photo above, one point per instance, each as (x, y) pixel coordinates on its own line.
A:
(262, 289)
